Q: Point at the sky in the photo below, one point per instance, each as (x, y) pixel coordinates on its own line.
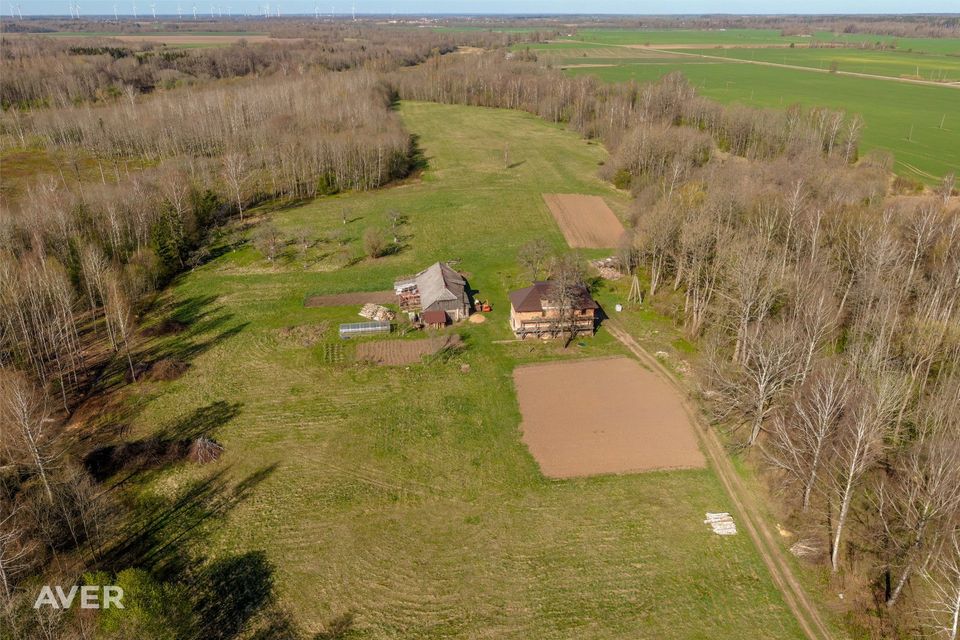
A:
(287, 7)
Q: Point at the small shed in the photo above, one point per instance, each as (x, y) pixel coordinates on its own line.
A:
(435, 318)
(359, 329)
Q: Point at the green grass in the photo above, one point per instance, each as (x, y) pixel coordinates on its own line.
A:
(683, 36)
(748, 37)
(404, 494)
(890, 109)
(924, 66)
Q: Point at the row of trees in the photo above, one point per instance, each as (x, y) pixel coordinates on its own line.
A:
(39, 71)
(832, 322)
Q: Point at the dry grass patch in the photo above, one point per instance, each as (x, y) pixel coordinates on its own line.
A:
(601, 416)
(586, 221)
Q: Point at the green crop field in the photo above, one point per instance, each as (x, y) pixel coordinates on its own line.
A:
(403, 495)
(924, 66)
(903, 118)
(918, 123)
(684, 36)
(758, 37)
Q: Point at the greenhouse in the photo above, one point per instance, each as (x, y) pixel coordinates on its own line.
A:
(359, 329)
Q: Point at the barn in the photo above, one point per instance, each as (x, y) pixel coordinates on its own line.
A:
(534, 311)
(438, 288)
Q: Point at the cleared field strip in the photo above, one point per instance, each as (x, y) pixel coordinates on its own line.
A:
(612, 416)
(586, 221)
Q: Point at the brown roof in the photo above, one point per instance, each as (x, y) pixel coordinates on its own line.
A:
(529, 298)
(435, 317)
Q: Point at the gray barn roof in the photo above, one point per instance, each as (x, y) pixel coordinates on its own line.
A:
(439, 282)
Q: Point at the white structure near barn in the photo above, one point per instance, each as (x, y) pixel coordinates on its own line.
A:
(437, 288)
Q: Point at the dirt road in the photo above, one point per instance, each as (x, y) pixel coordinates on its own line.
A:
(744, 502)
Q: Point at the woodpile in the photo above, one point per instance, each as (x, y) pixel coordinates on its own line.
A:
(377, 312)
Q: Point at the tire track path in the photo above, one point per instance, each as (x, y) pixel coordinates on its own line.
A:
(796, 598)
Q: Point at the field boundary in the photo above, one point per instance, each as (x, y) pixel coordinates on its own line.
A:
(796, 598)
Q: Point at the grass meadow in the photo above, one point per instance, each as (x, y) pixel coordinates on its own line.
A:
(403, 496)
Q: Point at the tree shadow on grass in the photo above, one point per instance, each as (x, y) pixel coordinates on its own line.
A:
(171, 444)
(161, 531)
(231, 591)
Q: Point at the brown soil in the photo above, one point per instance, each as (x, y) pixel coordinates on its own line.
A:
(591, 417)
(349, 299)
(586, 221)
(394, 352)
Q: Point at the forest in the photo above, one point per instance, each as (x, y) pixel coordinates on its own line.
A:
(824, 302)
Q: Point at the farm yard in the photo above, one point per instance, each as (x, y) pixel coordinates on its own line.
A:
(917, 122)
(402, 501)
(592, 417)
(586, 221)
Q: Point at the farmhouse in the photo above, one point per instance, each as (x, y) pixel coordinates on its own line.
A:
(535, 311)
(438, 288)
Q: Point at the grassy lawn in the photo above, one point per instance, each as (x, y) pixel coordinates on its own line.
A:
(903, 118)
(404, 494)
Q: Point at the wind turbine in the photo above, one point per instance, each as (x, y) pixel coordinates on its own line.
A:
(194, 12)
(115, 15)
(316, 12)
(353, 11)
(179, 13)
(153, 8)
(134, 9)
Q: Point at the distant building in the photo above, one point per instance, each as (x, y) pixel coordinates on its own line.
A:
(436, 288)
(535, 311)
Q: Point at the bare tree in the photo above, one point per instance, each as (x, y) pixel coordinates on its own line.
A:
(14, 552)
(267, 240)
(922, 498)
(374, 243)
(236, 175)
(802, 435)
(942, 609)
(535, 258)
(859, 445)
(747, 393)
(567, 289)
(30, 427)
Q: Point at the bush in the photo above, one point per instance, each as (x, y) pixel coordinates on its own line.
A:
(374, 243)
(622, 179)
